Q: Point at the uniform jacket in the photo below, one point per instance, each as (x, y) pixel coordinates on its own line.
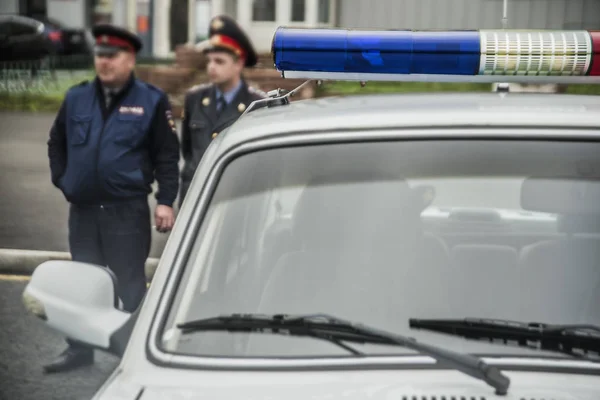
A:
(201, 123)
(103, 155)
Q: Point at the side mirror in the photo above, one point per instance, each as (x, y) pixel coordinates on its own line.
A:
(79, 300)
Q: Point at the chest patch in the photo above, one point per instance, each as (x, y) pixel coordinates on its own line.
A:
(131, 110)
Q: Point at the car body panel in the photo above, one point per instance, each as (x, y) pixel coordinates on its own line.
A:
(422, 111)
(23, 39)
(373, 384)
(146, 373)
(51, 39)
(68, 41)
(386, 111)
(354, 118)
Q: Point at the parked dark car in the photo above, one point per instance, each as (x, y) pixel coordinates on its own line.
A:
(68, 41)
(23, 39)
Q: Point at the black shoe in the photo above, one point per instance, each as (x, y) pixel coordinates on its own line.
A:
(70, 359)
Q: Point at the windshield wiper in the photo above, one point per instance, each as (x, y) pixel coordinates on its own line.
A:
(337, 330)
(574, 340)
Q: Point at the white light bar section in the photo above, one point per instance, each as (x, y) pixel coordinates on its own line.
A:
(534, 53)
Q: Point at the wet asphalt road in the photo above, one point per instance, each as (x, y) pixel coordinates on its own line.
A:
(26, 343)
(33, 215)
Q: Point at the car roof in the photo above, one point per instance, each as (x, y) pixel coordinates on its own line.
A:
(22, 19)
(419, 110)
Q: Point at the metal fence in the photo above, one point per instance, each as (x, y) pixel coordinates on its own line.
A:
(46, 76)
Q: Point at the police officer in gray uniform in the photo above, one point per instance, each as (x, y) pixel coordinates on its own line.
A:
(210, 108)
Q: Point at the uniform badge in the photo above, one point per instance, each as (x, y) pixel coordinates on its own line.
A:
(132, 110)
(216, 40)
(214, 135)
(241, 107)
(104, 39)
(205, 101)
(216, 24)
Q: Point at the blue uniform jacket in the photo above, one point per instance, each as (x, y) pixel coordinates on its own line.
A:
(103, 155)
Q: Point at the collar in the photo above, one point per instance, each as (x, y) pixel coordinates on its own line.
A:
(230, 95)
(115, 91)
(103, 90)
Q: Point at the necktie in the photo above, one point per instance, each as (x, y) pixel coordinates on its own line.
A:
(221, 104)
(110, 95)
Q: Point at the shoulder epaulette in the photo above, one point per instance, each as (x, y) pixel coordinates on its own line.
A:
(154, 87)
(77, 85)
(82, 83)
(257, 91)
(198, 88)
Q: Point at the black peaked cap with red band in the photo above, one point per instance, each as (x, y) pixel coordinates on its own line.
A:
(225, 34)
(111, 38)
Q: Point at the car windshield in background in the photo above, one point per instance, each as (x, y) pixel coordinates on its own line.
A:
(382, 232)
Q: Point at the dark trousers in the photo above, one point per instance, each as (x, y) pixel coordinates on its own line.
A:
(118, 236)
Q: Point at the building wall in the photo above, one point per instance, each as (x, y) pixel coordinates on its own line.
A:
(9, 6)
(202, 20)
(261, 32)
(418, 14)
(85, 13)
(79, 13)
(70, 13)
(469, 14)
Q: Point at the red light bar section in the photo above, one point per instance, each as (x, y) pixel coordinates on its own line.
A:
(595, 67)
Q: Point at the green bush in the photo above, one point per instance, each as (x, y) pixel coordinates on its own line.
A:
(33, 102)
(21, 91)
(50, 98)
(351, 88)
(584, 89)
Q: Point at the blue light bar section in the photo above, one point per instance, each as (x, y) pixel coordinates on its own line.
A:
(377, 52)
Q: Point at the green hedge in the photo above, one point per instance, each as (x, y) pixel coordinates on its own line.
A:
(350, 88)
(21, 91)
(34, 102)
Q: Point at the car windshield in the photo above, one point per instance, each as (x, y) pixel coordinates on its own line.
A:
(383, 231)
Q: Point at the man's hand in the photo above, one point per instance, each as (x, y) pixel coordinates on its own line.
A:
(164, 217)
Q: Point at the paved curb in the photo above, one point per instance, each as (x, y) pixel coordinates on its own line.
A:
(24, 262)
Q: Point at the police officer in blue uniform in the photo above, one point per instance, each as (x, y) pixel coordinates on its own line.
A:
(209, 108)
(112, 138)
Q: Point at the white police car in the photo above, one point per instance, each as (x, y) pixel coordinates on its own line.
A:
(422, 246)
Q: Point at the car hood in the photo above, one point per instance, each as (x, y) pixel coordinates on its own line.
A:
(355, 385)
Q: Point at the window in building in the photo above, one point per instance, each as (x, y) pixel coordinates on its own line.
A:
(324, 11)
(263, 10)
(102, 12)
(231, 8)
(202, 19)
(36, 8)
(298, 10)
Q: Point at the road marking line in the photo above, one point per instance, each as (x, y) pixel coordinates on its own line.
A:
(16, 278)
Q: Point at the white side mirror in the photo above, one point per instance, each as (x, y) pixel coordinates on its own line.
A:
(76, 299)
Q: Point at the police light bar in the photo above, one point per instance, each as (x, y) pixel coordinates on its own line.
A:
(439, 56)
